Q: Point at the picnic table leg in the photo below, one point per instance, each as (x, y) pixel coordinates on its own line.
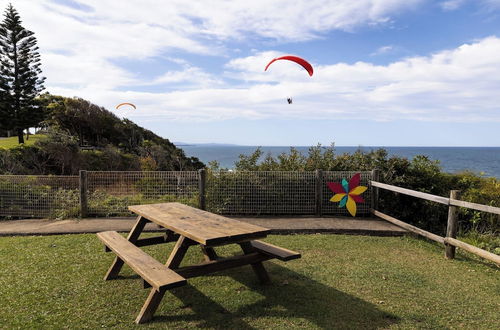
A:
(258, 267)
(209, 253)
(180, 248)
(150, 306)
(134, 234)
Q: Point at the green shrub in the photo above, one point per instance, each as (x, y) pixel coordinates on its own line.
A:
(101, 203)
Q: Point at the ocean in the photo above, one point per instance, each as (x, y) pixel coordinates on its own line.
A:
(481, 160)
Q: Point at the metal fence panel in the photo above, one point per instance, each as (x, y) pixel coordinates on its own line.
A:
(227, 192)
(39, 196)
(111, 192)
(259, 193)
(331, 208)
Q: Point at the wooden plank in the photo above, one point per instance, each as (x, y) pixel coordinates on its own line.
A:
(474, 206)
(275, 251)
(201, 226)
(472, 249)
(409, 192)
(374, 190)
(409, 227)
(222, 264)
(452, 226)
(83, 194)
(151, 270)
(318, 192)
(202, 181)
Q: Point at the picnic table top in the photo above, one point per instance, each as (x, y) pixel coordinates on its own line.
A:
(203, 227)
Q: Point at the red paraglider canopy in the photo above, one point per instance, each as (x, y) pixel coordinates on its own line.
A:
(306, 65)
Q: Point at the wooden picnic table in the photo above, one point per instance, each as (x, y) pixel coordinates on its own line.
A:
(187, 226)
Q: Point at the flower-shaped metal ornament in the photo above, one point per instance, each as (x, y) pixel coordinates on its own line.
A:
(348, 193)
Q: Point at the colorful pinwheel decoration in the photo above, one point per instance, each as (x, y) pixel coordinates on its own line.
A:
(348, 193)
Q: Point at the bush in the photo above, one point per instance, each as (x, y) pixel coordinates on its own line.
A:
(101, 203)
(420, 174)
(27, 197)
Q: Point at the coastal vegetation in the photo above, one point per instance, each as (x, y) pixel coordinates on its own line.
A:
(420, 173)
(77, 134)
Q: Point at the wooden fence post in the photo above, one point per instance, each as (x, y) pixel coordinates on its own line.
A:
(318, 193)
(202, 180)
(375, 177)
(451, 228)
(83, 193)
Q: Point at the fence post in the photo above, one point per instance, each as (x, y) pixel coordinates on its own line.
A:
(451, 228)
(375, 177)
(83, 193)
(202, 180)
(318, 193)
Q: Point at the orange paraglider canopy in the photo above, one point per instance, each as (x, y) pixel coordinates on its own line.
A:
(306, 65)
(126, 103)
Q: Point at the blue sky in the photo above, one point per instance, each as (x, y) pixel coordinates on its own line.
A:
(387, 72)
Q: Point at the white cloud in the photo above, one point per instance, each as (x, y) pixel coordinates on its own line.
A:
(80, 40)
(383, 50)
(78, 48)
(458, 85)
(488, 5)
(450, 5)
(192, 76)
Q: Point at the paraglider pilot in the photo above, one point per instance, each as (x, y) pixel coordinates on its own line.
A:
(289, 100)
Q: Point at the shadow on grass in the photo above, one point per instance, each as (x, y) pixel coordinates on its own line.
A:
(292, 299)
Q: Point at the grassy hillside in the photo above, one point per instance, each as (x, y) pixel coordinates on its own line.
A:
(11, 142)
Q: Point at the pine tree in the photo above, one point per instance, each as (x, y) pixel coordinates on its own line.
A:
(20, 82)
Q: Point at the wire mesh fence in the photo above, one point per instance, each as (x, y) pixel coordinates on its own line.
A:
(110, 193)
(265, 192)
(279, 193)
(39, 196)
(226, 192)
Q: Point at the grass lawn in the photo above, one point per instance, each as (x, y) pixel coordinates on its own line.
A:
(354, 282)
(12, 142)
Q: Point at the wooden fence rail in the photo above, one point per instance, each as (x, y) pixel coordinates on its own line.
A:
(437, 199)
(450, 240)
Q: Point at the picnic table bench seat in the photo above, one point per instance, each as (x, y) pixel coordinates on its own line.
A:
(275, 251)
(152, 271)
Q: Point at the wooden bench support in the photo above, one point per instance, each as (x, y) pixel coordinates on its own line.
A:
(209, 253)
(222, 264)
(258, 267)
(150, 306)
(157, 275)
(177, 254)
(134, 234)
(275, 251)
(166, 238)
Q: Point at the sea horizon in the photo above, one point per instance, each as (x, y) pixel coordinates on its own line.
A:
(484, 161)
